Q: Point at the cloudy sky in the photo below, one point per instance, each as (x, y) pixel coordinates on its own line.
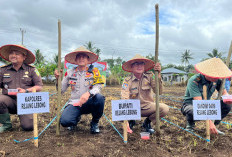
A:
(120, 28)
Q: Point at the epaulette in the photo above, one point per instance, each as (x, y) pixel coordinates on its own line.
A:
(197, 80)
(148, 72)
(5, 65)
(128, 78)
(31, 65)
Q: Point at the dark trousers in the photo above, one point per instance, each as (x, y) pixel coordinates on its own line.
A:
(72, 114)
(187, 110)
(9, 105)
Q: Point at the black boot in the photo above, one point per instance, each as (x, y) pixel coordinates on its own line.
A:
(147, 126)
(190, 126)
(74, 127)
(94, 129)
(131, 124)
(71, 128)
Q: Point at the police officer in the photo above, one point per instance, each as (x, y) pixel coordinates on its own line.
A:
(85, 85)
(141, 85)
(210, 72)
(20, 75)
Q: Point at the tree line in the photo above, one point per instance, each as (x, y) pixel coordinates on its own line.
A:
(116, 73)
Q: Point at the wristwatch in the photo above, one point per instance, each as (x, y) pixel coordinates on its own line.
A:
(26, 91)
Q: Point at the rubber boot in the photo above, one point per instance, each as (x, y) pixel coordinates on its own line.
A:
(220, 132)
(190, 126)
(131, 124)
(147, 126)
(94, 129)
(5, 123)
(216, 123)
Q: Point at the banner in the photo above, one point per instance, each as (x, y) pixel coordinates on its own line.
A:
(206, 110)
(29, 103)
(126, 110)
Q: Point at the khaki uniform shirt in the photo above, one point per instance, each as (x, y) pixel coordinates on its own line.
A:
(27, 76)
(81, 82)
(143, 89)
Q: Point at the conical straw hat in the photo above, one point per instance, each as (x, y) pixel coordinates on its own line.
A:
(6, 49)
(149, 64)
(71, 57)
(214, 68)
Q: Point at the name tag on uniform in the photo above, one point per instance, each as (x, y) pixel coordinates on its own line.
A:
(72, 81)
(13, 91)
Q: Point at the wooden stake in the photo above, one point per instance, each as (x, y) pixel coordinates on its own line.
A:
(59, 79)
(35, 125)
(207, 121)
(223, 80)
(125, 131)
(156, 72)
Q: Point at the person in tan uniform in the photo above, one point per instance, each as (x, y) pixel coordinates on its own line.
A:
(141, 85)
(20, 75)
(86, 85)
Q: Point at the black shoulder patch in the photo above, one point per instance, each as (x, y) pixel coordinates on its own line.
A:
(197, 79)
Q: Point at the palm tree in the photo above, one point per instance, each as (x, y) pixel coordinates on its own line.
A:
(90, 47)
(185, 57)
(39, 58)
(55, 59)
(215, 53)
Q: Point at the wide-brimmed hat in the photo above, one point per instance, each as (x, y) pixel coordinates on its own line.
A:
(149, 64)
(214, 68)
(6, 49)
(71, 57)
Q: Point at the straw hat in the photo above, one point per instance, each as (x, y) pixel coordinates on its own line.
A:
(214, 68)
(149, 64)
(71, 57)
(6, 49)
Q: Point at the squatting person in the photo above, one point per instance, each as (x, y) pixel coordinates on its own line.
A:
(18, 74)
(141, 85)
(85, 85)
(210, 73)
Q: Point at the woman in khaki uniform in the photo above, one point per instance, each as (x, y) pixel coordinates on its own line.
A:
(141, 85)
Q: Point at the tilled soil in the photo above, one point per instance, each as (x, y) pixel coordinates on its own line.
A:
(173, 140)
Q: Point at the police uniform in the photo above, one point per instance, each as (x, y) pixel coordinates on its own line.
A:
(26, 77)
(144, 89)
(195, 89)
(80, 83)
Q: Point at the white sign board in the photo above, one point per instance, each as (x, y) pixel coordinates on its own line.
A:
(126, 110)
(28, 103)
(206, 110)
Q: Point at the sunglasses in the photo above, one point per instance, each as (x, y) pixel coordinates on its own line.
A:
(138, 63)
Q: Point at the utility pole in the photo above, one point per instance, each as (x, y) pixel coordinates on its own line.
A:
(22, 31)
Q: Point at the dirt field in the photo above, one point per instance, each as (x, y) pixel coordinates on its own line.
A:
(172, 142)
